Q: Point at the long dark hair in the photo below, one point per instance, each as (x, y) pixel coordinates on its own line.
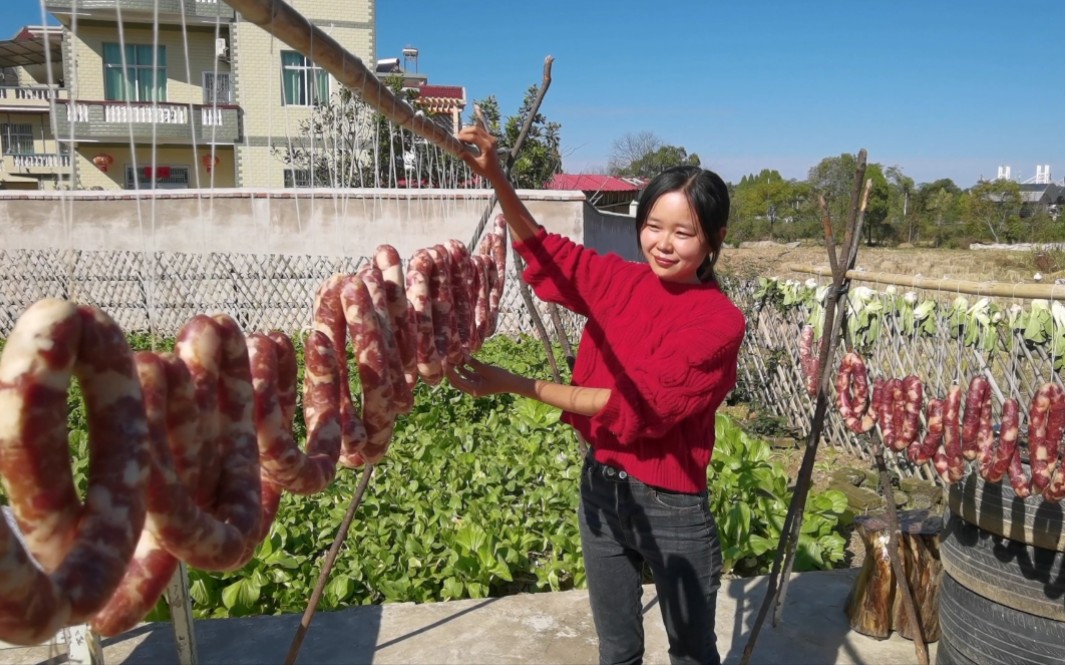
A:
(708, 196)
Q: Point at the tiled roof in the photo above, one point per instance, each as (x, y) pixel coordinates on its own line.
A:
(442, 91)
(592, 182)
(28, 46)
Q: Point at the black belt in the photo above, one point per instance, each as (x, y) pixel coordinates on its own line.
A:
(606, 470)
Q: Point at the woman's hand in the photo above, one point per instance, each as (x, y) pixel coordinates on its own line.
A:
(479, 379)
(486, 162)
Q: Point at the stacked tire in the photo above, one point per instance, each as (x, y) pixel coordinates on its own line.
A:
(1002, 598)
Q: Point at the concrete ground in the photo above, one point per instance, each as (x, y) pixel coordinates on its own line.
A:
(544, 629)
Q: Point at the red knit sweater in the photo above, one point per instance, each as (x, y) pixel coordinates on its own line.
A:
(666, 351)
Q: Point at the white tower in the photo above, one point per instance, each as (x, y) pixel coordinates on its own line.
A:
(410, 57)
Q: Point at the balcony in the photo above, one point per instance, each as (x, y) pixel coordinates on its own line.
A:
(37, 164)
(169, 11)
(180, 124)
(30, 97)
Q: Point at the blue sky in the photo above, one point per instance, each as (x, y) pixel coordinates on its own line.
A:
(939, 89)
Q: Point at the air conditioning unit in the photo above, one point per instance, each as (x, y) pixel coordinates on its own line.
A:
(221, 49)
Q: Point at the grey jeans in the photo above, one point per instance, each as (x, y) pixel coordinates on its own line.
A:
(625, 523)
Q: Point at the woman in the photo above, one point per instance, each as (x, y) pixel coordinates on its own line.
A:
(656, 359)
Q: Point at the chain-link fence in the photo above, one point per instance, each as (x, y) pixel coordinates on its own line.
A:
(159, 292)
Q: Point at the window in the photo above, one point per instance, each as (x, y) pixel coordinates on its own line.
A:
(17, 138)
(159, 177)
(297, 178)
(302, 82)
(144, 76)
(217, 88)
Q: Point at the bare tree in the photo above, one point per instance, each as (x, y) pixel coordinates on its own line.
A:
(632, 147)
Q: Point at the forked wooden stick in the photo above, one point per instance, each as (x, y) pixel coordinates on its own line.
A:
(288, 25)
(830, 336)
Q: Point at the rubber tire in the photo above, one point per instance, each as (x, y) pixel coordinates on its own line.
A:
(991, 634)
(995, 508)
(1019, 576)
(947, 654)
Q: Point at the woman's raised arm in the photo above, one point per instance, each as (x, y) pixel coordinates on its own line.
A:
(486, 164)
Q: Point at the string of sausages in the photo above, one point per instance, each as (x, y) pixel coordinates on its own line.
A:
(190, 451)
(954, 435)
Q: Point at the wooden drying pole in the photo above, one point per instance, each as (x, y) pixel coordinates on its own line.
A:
(890, 514)
(995, 289)
(841, 272)
(850, 252)
(515, 150)
(523, 288)
(789, 534)
(286, 24)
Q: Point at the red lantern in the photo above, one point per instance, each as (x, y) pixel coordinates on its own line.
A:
(102, 161)
(209, 162)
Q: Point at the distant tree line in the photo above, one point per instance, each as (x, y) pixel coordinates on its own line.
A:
(765, 206)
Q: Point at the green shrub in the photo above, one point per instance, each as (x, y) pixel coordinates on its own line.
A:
(749, 497)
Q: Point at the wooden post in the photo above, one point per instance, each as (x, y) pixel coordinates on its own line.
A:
(177, 596)
(83, 646)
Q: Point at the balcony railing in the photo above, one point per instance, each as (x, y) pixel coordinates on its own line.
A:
(168, 10)
(36, 164)
(162, 123)
(30, 97)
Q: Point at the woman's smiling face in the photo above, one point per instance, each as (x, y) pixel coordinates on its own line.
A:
(672, 240)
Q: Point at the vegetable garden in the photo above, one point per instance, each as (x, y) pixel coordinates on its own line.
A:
(477, 498)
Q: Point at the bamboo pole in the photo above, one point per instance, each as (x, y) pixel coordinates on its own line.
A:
(846, 273)
(849, 251)
(538, 323)
(288, 25)
(998, 289)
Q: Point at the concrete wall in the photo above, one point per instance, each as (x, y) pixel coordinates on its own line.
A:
(154, 261)
(291, 222)
(612, 232)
